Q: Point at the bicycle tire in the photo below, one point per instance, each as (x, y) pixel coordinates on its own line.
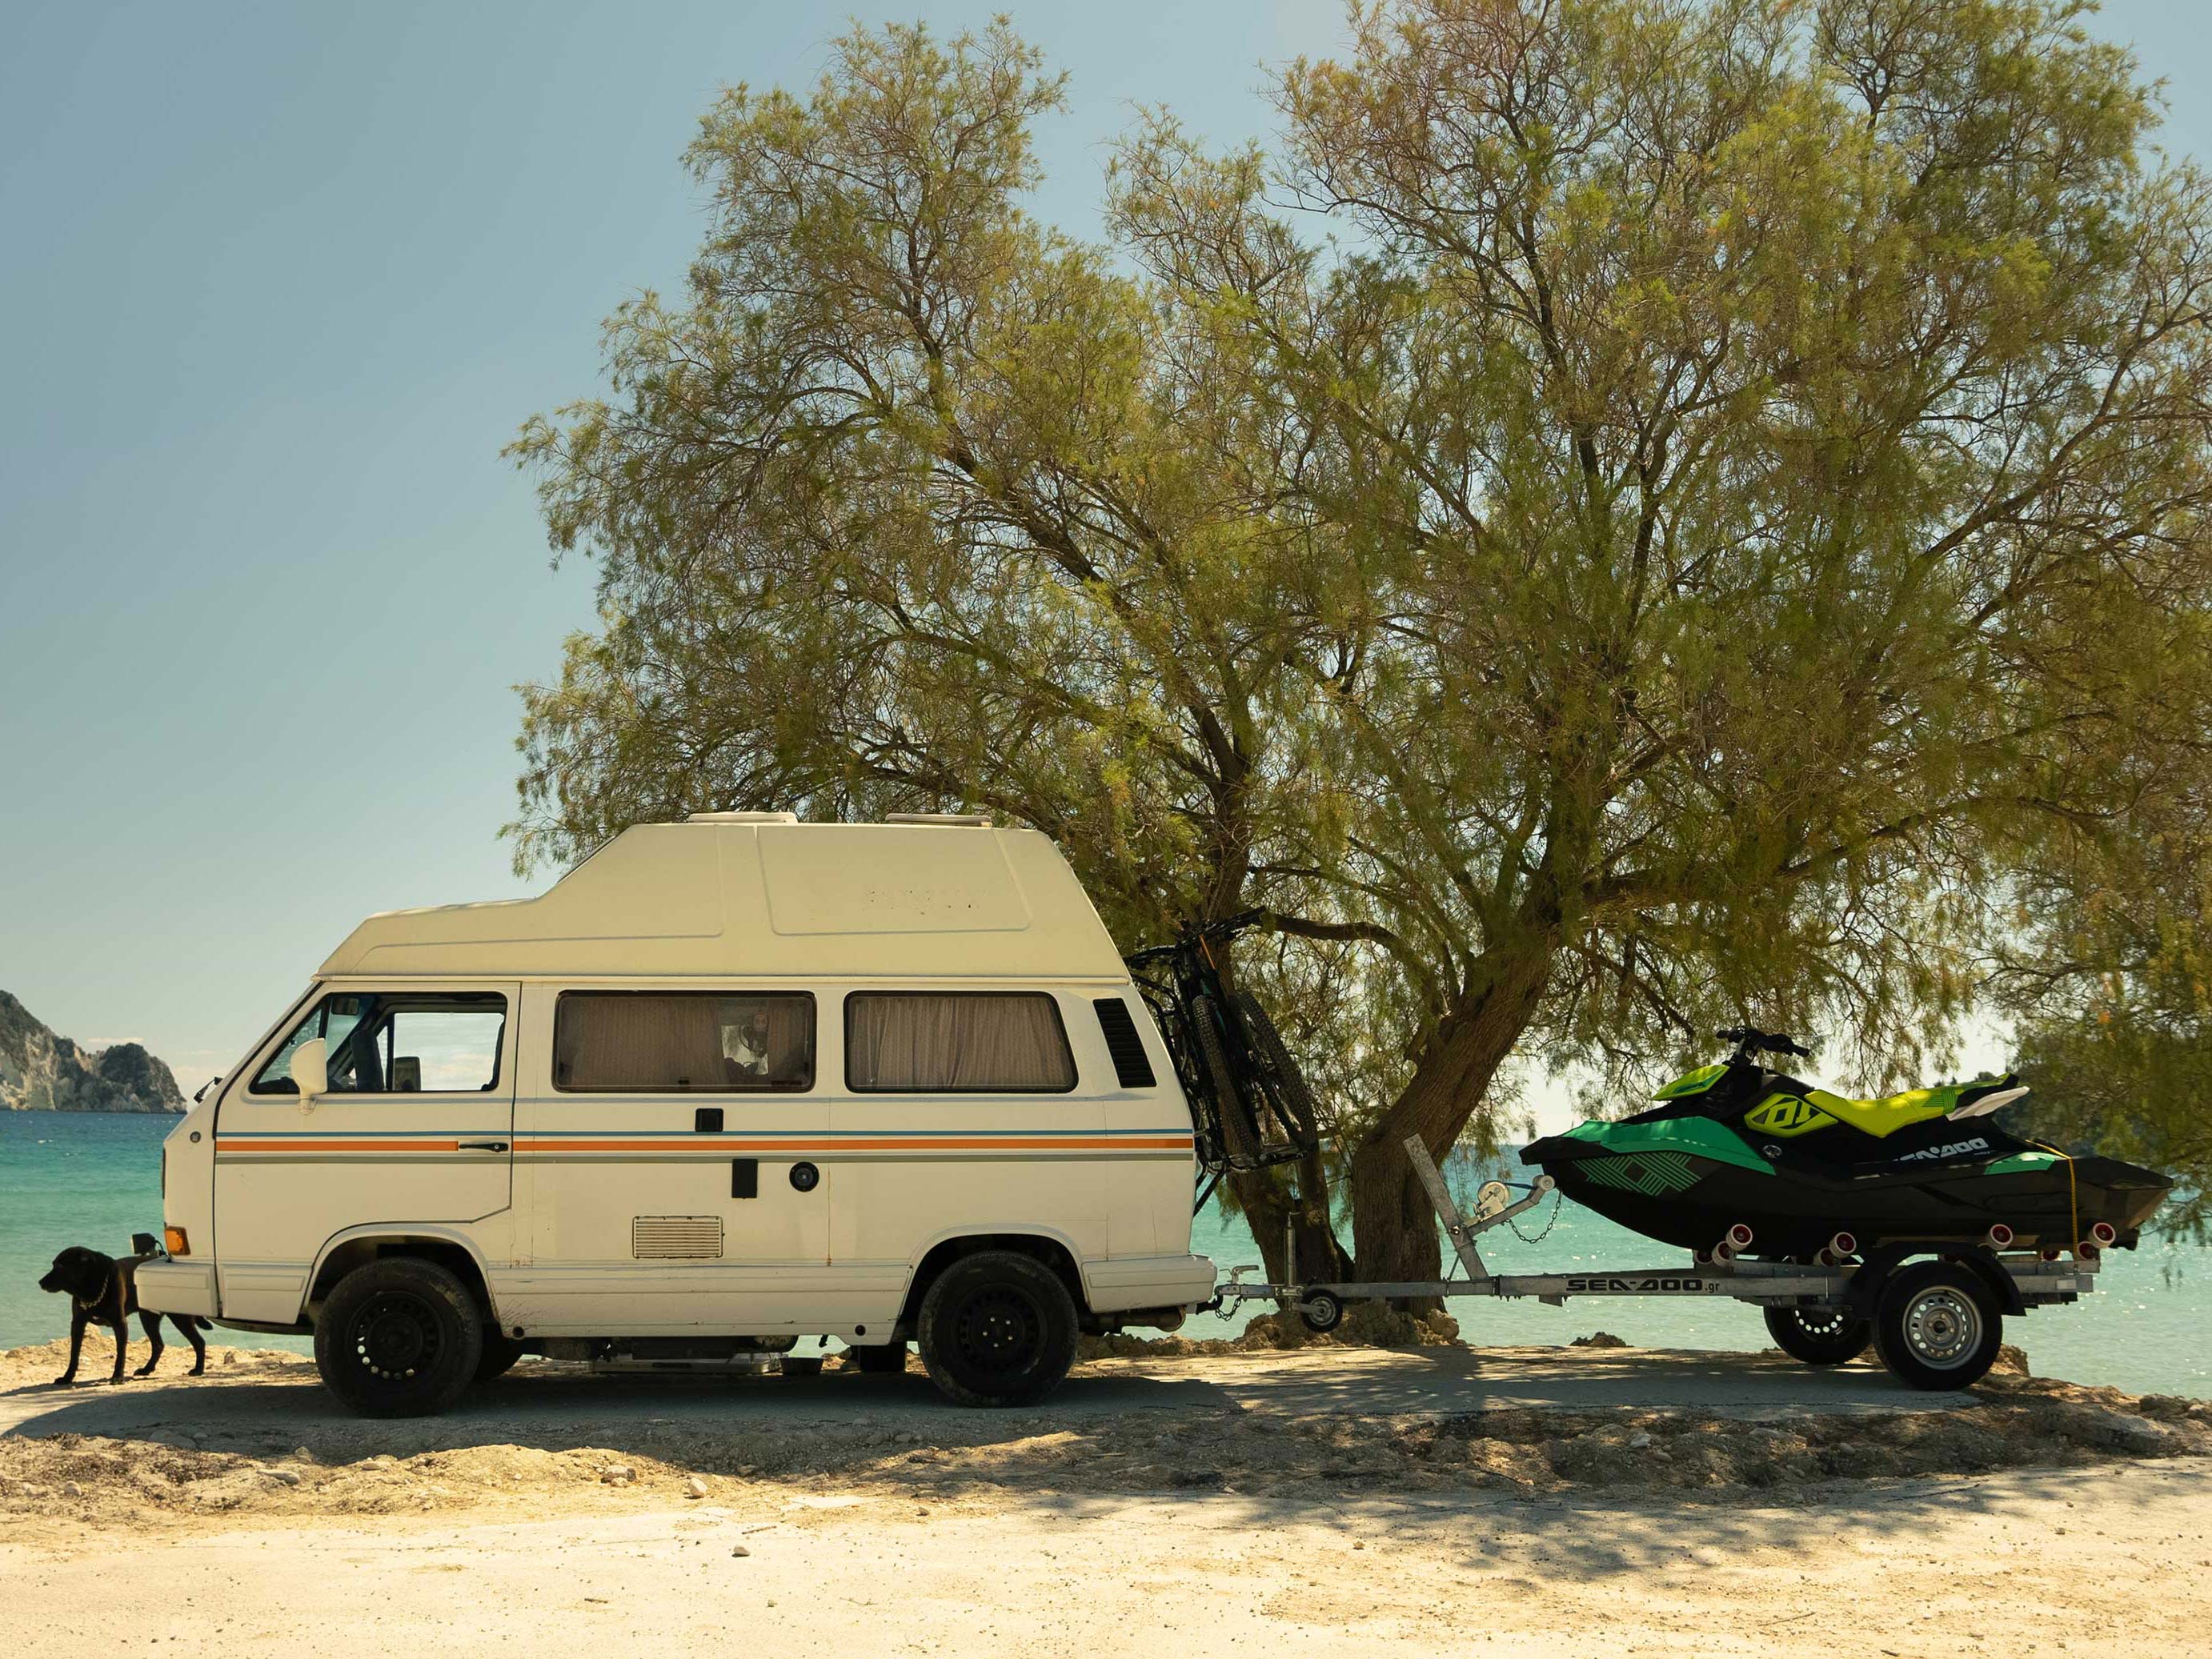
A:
(1283, 1083)
(1232, 1115)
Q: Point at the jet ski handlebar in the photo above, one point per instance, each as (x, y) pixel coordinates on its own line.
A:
(1749, 1041)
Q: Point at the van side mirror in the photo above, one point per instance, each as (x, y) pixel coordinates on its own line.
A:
(311, 1070)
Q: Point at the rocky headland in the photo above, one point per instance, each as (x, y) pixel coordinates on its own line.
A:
(43, 1072)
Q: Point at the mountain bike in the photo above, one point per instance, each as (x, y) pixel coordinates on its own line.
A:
(1250, 1106)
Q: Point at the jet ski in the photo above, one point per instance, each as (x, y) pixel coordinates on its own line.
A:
(1740, 1158)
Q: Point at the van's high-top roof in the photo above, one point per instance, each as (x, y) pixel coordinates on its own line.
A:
(759, 895)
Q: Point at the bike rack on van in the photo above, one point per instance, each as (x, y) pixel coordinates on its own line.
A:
(2028, 1279)
(1250, 1106)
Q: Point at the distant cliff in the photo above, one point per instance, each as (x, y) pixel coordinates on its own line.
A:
(40, 1072)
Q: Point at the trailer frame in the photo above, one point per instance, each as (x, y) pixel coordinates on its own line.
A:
(2015, 1281)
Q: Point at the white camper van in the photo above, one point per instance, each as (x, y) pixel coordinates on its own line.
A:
(731, 1082)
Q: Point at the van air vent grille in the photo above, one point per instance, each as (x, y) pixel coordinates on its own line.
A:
(676, 1237)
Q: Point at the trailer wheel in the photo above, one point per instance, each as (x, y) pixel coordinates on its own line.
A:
(1937, 1326)
(400, 1337)
(876, 1359)
(1322, 1311)
(1818, 1336)
(997, 1328)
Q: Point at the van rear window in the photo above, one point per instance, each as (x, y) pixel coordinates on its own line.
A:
(952, 1043)
(682, 1041)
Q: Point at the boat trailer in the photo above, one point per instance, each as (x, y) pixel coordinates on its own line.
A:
(1931, 1310)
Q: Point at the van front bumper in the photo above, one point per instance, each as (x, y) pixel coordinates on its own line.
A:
(1148, 1281)
(176, 1287)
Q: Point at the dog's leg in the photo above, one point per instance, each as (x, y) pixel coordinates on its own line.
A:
(76, 1345)
(122, 1347)
(190, 1325)
(152, 1322)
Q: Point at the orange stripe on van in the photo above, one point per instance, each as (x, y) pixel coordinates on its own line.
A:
(234, 1146)
(701, 1143)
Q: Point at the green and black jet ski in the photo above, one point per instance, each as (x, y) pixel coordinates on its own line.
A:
(1737, 1146)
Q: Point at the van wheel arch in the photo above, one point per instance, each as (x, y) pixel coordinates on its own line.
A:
(1045, 1248)
(352, 1252)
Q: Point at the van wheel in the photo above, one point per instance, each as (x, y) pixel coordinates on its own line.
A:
(400, 1337)
(997, 1328)
(877, 1358)
(499, 1353)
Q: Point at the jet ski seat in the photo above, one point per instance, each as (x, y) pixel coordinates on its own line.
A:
(1785, 1114)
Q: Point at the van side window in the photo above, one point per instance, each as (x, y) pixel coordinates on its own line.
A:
(956, 1043)
(682, 1041)
(1132, 1070)
(398, 1043)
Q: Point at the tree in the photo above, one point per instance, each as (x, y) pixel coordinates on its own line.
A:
(1689, 549)
(2112, 980)
(917, 503)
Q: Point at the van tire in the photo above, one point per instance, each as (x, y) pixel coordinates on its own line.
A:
(400, 1337)
(997, 1328)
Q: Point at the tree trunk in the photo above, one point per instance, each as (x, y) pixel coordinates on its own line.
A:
(1393, 1229)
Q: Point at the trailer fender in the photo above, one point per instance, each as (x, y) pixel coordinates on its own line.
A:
(1863, 1293)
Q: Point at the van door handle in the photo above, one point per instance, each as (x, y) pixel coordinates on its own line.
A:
(482, 1146)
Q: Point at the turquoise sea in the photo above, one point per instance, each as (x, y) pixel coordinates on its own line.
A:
(72, 1178)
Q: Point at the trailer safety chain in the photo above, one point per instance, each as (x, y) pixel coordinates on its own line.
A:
(1550, 1221)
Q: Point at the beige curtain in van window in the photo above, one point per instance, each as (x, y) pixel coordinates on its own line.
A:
(948, 1044)
(626, 1040)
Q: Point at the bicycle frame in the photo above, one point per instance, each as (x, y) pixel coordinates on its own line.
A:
(1183, 985)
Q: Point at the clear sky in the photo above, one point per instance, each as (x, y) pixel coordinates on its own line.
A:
(277, 283)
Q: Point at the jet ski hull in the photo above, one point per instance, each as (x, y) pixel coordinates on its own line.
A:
(1687, 1181)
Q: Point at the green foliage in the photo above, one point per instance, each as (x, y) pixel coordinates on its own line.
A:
(2111, 976)
(1716, 530)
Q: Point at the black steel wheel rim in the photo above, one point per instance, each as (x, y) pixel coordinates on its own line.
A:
(997, 1332)
(1828, 1324)
(396, 1336)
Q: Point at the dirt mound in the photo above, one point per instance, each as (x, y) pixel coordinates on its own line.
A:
(170, 1476)
(97, 1479)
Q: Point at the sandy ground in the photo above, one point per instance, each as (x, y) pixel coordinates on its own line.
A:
(1332, 1501)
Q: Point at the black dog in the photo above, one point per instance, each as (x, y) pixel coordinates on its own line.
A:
(105, 1292)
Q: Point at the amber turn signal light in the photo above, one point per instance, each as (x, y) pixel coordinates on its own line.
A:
(177, 1244)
